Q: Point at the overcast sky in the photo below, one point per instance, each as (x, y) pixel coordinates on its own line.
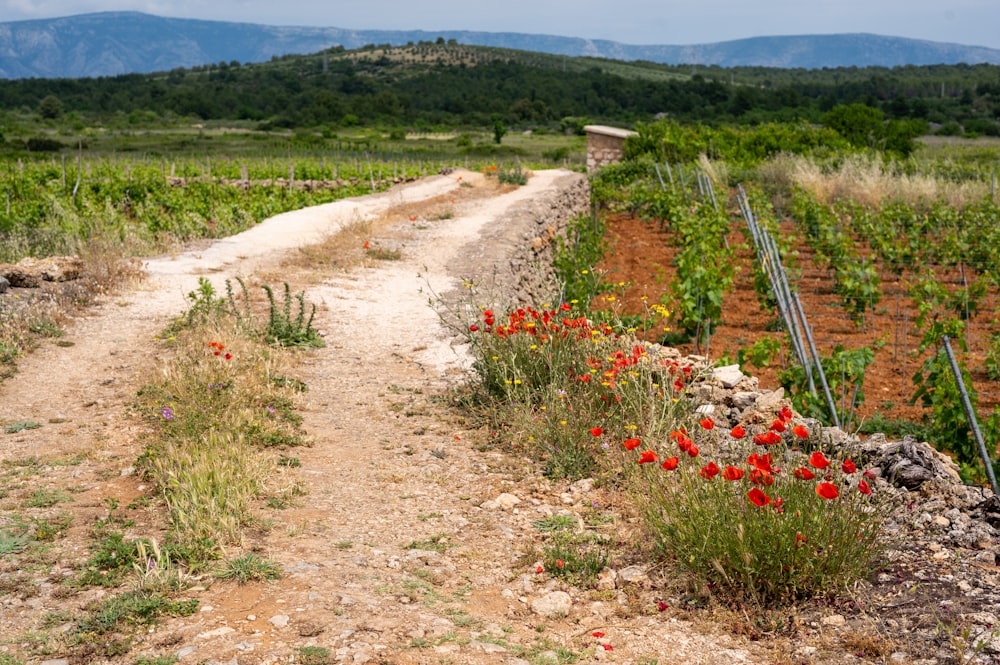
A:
(972, 22)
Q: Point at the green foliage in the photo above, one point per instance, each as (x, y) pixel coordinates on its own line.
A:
(132, 608)
(947, 427)
(112, 558)
(857, 283)
(21, 426)
(250, 568)
(284, 329)
(761, 353)
(845, 376)
(314, 656)
(575, 256)
(578, 557)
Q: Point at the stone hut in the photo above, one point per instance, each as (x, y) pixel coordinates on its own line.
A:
(605, 145)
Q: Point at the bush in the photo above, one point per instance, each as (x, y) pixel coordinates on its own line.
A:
(766, 520)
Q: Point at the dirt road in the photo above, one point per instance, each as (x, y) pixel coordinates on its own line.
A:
(413, 545)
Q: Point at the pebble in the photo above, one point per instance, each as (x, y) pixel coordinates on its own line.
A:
(554, 604)
(217, 632)
(279, 620)
(833, 620)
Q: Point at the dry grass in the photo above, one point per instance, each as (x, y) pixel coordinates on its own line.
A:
(867, 180)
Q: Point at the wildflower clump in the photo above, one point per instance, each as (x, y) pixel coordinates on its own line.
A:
(757, 513)
(563, 388)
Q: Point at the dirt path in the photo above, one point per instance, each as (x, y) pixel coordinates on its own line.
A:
(411, 546)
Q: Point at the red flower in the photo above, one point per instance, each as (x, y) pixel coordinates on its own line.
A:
(707, 423)
(474, 328)
(785, 414)
(709, 471)
(827, 491)
(684, 444)
(768, 438)
(670, 463)
(607, 647)
(818, 460)
(732, 473)
(758, 498)
(539, 570)
(560, 564)
(693, 450)
(762, 462)
(864, 488)
(565, 307)
(803, 473)
(777, 426)
(799, 540)
(761, 477)
(647, 457)
(870, 474)
(662, 606)
(848, 466)
(596, 431)
(228, 356)
(737, 432)
(597, 633)
(800, 431)
(631, 444)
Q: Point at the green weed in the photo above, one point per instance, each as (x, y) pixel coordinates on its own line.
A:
(250, 568)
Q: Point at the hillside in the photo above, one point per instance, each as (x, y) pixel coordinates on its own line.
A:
(114, 43)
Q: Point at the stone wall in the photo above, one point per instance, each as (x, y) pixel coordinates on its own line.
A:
(605, 145)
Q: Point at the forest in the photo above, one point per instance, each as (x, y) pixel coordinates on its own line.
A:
(443, 85)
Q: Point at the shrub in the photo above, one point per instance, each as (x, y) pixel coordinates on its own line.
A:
(765, 519)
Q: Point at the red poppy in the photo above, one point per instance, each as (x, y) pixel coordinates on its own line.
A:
(758, 498)
(670, 463)
(818, 460)
(474, 328)
(560, 564)
(707, 423)
(597, 633)
(800, 431)
(737, 432)
(777, 426)
(684, 443)
(631, 444)
(647, 457)
(864, 488)
(785, 414)
(870, 474)
(539, 570)
(762, 462)
(827, 491)
(768, 438)
(709, 471)
(662, 606)
(803, 473)
(228, 356)
(848, 466)
(596, 431)
(761, 477)
(693, 450)
(607, 647)
(565, 307)
(799, 540)
(732, 473)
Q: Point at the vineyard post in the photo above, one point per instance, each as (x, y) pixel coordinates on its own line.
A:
(906, 322)
(819, 364)
(970, 414)
(659, 177)
(670, 174)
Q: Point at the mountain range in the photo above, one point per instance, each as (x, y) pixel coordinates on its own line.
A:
(114, 43)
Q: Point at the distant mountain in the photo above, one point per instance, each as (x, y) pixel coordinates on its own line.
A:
(113, 43)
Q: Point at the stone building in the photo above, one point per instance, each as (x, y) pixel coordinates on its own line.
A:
(605, 145)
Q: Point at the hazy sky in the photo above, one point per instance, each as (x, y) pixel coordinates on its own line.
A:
(973, 22)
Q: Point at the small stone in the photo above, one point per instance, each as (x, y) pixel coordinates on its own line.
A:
(941, 522)
(279, 620)
(4, 285)
(554, 604)
(606, 579)
(768, 402)
(507, 501)
(729, 376)
(186, 651)
(55, 661)
(487, 647)
(833, 620)
(246, 645)
(964, 586)
(633, 575)
(251, 617)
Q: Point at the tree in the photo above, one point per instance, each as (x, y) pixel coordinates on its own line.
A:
(50, 108)
(861, 125)
(499, 129)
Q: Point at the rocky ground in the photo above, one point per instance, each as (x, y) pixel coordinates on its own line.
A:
(416, 541)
